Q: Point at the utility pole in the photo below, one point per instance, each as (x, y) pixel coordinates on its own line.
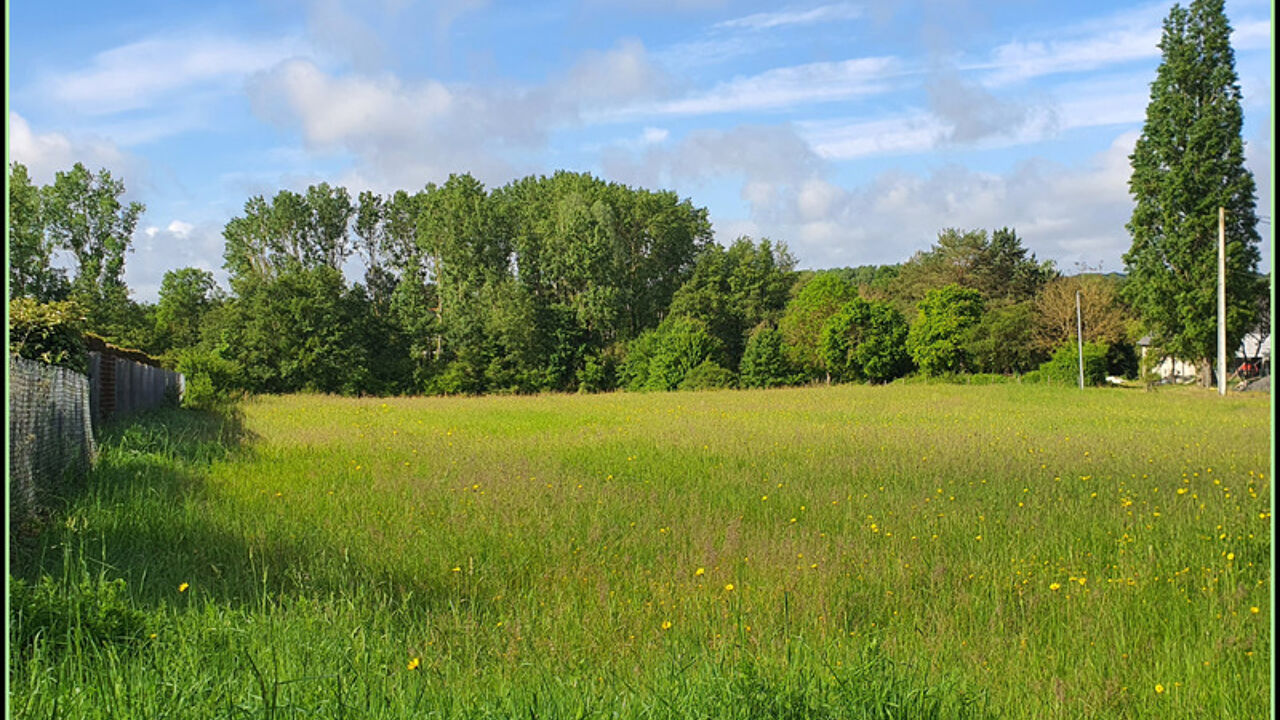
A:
(1222, 300)
(1080, 339)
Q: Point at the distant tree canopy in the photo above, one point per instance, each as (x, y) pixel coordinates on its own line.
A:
(997, 266)
(509, 290)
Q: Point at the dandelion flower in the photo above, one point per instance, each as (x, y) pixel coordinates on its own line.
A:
(1254, 610)
(414, 663)
(666, 624)
(729, 587)
(1054, 586)
(1159, 688)
(699, 572)
(183, 587)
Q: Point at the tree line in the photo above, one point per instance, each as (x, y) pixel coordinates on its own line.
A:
(550, 283)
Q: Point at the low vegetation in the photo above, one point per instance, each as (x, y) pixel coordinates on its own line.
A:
(1012, 551)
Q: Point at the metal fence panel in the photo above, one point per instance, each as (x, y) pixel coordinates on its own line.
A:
(50, 433)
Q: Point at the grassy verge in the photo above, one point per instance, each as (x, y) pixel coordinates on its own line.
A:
(913, 551)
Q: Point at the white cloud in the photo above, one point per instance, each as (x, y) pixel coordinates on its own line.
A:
(972, 113)
(846, 139)
(764, 157)
(785, 87)
(1067, 213)
(45, 154)
(336, 110)
(180, 244)
(1021, 60)
(1251, 35)
(140, 74)
(624, 73)
(653, 135)
(1113, 100)
(1125, 36)
(404, 134)
(771, 20)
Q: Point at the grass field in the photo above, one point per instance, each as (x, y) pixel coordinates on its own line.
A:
(903, 551)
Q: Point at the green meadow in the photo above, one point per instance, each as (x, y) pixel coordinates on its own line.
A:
(908, 551)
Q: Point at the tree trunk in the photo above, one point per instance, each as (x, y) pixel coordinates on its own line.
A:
(1206, 372)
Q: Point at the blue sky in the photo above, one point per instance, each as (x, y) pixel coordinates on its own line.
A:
(852, 131)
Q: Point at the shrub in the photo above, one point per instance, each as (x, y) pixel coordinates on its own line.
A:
(459, 377)
(683, 344)
(1063, 368)
(864, 341)
(633, 373)
(48, 332)
(764, 363)
(209, 379)
(708, 376)
(986, 379)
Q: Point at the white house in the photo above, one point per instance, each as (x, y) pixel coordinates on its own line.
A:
(1254, 350)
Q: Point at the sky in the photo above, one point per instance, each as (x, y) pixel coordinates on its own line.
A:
(854, 132)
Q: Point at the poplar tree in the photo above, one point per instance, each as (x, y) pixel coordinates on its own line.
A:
(1188, 162)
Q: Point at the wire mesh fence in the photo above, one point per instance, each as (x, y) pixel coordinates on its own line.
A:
(50, 433)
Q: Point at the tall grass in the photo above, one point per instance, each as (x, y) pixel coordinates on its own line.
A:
(907, 551)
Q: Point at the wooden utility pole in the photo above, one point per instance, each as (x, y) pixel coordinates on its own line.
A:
(1080, 339)
(1222, 301)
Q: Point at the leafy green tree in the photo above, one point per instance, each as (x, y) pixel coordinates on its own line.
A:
(683, 344)
(468, 250)
(661, 359)
(297, 331)
(31, 270)
(865, 341)
(290, 231)
(801, 325)
(735, 289)
(764, 363)
(1188, 162)
(600, 261)
(997, 265)
(186, 295)
(1004, 342)
(83, 213)
(944, 316)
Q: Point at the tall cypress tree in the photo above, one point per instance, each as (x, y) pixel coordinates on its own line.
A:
(1188, 162)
